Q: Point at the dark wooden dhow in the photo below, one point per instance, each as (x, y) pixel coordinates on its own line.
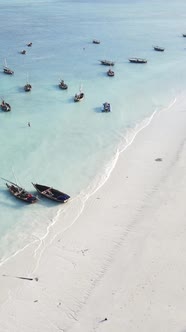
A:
(106, 107)
(27, 87)
(159, 49)
(20, 192)
(63, 85)
(5, 106)
(51, 193)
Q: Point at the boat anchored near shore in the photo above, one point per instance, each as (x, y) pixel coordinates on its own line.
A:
(96, 41)
(27, 86)
(51, 193)
(106, 107)
(79, 96)
(158, 48)
(137, 60)
(63, 85)
(107, 62)
(5, 106)
(110, 73)
(20, 192)
(7, 70)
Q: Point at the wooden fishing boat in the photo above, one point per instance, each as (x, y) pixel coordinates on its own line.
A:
(79, 96)
(20, 193)
(29, 44)
(106, 107)
(184, 34)
(95, 41)
(159, 49)
(63, 85)
(27, 87)
(51, 193)
(5, 106)
(23, 52)
(137, 60)
(7, 70)
(107, 62)
(110, 73)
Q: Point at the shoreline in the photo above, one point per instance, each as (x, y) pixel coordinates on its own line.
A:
(99, 180)
(76, 267)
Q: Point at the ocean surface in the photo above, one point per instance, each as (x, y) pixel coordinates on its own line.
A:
(74, 146)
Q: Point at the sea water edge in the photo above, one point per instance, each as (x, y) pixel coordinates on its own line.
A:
(70, 145)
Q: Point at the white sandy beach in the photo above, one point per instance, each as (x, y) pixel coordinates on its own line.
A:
(123, 258)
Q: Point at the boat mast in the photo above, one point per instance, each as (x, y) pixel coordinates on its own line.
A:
(5, 65)
(15, 184)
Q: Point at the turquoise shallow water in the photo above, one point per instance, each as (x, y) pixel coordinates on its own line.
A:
(69, 143)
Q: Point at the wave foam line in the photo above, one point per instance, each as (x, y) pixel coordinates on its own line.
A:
(110, 168)
(141, 126)
(17, 252)
(53, 238)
